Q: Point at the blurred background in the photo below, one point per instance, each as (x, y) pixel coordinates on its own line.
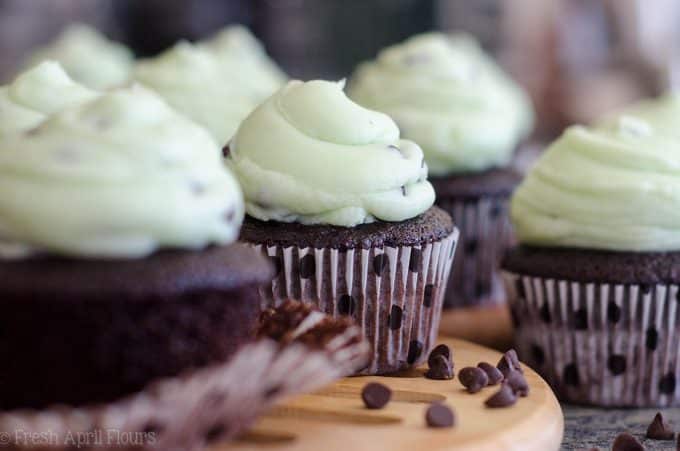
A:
(577, 58)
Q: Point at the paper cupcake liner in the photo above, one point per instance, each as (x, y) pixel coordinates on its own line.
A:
(597, 343)
(395, 294)
(188, 412)
(485, 233)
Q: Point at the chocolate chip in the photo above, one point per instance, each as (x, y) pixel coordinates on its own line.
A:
(395, 317)
(393, 147)
(403, 190)
(276, 262)
(659, 429)
(504, 397)
(667, 384)
(226, 151)
(613, 312)
(416, 261)
(439, 416)
(518, 383)
(570, 375)
(415, 349)
(380, 263)
(616, 364)
(626, 442)
(473, 378)
(427, 297)
(376, 395)
(581, 319)
(652, 340)
(438, 350)
(440, 368)
(494, 374)
(546, 317)
(509, 362)
(307, 266)
(346, 305)
(229, 215)
(537, 355)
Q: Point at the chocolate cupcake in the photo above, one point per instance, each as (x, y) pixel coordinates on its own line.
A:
(117, 267)
(594, 283)
(447, 95)
(342, 207)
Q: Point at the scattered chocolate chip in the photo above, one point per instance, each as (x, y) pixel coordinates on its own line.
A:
(473, 378)
(509, 362)
(494, 374)
(504, 397)
(440, 368)
(659, 429)
(438, 350)
(626, 442)
(376, 395)
(518, 383)
(439, 415)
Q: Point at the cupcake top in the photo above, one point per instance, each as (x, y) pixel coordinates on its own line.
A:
(311, 155)
(36, 93)
(450, 97)
(217, 82)
(117, 177)
(89, 57)
(615, 186)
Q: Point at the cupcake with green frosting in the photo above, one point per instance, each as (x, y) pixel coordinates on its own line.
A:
(469, 117)
(217, 82)
(342, 207)
(37, 93)
(89, 57)
(594, 282)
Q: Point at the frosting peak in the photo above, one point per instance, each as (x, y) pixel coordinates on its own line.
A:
(615, 186)
(326, 160)
(36, 93)
(120, 176)
(446, 94)
(89, 57)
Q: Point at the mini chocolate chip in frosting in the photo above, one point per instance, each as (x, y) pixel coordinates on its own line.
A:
(626, 442)
(659, 429)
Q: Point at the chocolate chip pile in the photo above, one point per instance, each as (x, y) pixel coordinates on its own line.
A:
(508, 373)
(658, 429)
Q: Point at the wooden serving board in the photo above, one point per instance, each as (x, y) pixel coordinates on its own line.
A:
(335, 419)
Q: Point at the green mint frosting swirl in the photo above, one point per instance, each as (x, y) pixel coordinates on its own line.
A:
(450, 97)
(217, 83)
(37, 93)
(311, 155)
(88, 57)
(117, 177)
(615, 186)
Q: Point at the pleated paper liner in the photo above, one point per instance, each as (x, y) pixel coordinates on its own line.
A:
(600, 344)
(485, 233)
(209, 404)
(395, 294)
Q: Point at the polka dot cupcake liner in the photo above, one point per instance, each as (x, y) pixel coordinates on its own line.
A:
(395, 294)
(600, 344)
(189, 412)
(485, 233)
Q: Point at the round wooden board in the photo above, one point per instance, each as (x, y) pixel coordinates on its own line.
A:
(335, 419)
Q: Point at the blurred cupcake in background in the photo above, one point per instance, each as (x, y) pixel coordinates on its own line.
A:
(469, 117)
(594, 283)
(343, 208)
(37, 93)
(88, 57)
(216, 82)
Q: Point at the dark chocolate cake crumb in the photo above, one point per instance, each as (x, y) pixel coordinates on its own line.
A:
(376, 395)
(626, 442)
(473, 378)
(504, 397)
(439, 415)
(494, 374)
(659, 429)
(440, 368)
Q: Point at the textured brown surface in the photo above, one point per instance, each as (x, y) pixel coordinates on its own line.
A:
(86, 331)
(583, 265)
(432, 225)
(494, 182)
